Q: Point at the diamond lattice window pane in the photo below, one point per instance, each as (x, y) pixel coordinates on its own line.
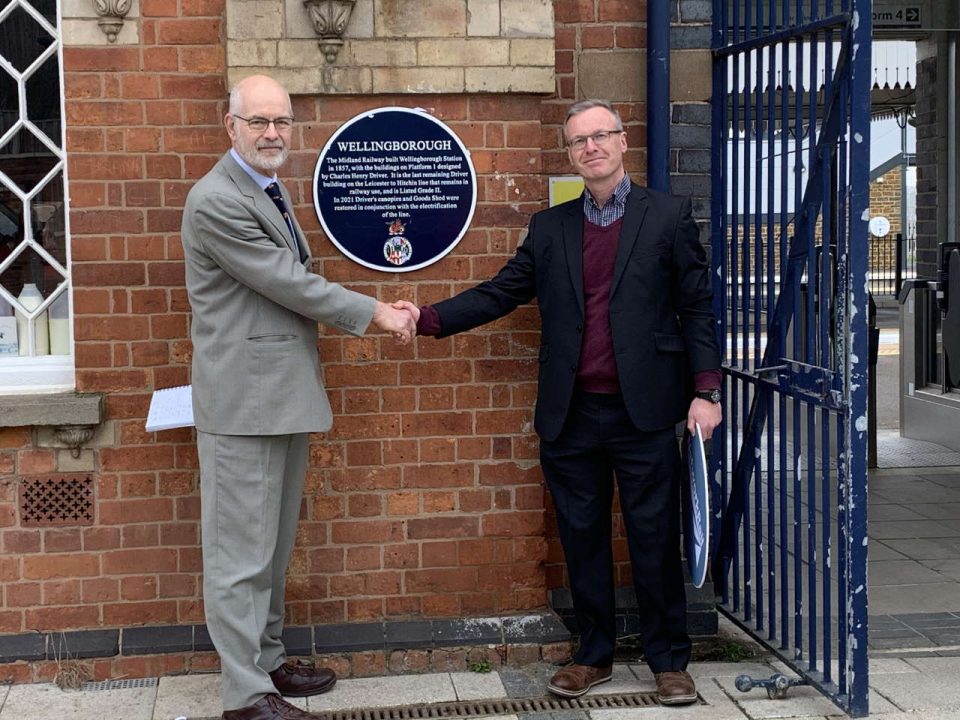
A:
(9, 101)
(26, 160)
(22, 39)
(47, 8)
(43, 98)
(28, 267)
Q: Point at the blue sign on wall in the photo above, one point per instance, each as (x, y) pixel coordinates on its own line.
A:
(394, 189)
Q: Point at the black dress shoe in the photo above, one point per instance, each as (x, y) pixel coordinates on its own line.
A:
(302, 680)
(269, 707)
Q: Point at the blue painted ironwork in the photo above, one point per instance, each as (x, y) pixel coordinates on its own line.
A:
(791, 117)
(658, 95)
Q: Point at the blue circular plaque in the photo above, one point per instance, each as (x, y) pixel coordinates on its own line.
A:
(394, 189)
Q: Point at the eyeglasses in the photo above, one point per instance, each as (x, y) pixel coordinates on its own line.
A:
(599, 138)
(259, 124)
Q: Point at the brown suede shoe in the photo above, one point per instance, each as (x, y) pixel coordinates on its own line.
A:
(269, 707)
(574, 680)
(676, 688)
(298, 679)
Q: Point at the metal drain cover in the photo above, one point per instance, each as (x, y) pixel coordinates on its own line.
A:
(500, 706)
(119, 684)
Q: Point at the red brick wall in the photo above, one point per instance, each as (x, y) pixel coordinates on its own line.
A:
(426, 498)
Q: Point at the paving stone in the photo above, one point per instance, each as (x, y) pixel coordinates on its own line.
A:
(478, 686)
(191, 696)
(800, 701)
(46, 701)
(384, 692)
(529, 681)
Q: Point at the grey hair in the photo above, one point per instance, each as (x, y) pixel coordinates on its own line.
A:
(235, 99)
(584, 105)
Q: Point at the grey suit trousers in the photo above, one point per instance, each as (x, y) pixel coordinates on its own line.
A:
(250, 491)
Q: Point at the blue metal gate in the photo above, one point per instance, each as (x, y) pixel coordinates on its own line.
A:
(791, 133)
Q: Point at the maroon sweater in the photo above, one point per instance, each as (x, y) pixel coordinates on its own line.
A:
(597, 369)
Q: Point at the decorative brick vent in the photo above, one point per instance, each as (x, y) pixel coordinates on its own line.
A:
(56, 500)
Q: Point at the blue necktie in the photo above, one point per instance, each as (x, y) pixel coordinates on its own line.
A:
(273, 191)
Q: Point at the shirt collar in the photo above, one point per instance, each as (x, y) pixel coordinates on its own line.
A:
(259, 178)
(619, 195)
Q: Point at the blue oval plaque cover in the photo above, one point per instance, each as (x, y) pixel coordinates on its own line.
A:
(394, 189)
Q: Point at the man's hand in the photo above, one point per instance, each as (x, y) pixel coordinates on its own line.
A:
(409, 307)
(398, 322)
(707, 414)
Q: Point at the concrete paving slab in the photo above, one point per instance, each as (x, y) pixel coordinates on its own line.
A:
(925, 548)
(949, 568)
(477, 686)
(718, 706)
(191, 696)
(374, 692)
(901, 572)
(47, 701)
(729, 669)
(800, 701)
(910, 529)
(892, 511)
(936, 691)
(935, 511)
(889, 666)
(879, 551)
(936, 665)
(644, 681)
(931, 597)
(4, 689)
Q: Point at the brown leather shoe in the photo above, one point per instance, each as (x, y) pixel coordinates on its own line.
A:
(298, 679)
(676, 688)
(574, 680)
(269, 707)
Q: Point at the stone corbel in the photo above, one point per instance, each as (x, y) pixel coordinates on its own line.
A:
(330, 18)
(74, 436)
(111, 14)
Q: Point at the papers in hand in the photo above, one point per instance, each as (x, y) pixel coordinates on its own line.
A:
(697, 527)
(170, 408)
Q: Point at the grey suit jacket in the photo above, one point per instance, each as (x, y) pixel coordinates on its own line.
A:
(255, 312)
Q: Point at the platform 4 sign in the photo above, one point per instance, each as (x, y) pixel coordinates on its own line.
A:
(899, 15)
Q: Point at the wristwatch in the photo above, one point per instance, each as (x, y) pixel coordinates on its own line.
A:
(709, 395)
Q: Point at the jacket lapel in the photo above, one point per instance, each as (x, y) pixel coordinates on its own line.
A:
(573, 247)
(262, 201)
(633, 216)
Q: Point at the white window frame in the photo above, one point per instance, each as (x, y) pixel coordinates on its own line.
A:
(40, 373)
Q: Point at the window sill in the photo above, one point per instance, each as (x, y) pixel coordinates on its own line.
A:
(60, 409)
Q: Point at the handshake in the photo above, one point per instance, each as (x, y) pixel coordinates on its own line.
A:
(399, 319)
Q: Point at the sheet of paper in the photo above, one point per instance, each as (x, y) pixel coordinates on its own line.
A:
(170, 408)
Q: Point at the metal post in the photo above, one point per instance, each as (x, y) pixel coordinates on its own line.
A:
(898, 278)
(658, 95)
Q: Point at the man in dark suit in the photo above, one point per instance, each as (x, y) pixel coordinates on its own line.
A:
(628, 350)
(257, 394)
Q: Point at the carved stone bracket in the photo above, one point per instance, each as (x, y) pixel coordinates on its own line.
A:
(330, 18)
(111, 14)
(74, 436)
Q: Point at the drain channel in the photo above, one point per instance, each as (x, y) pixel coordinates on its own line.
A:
(500, 706)
(120, 684)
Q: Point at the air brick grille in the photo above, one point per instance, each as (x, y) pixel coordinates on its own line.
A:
(56, 500)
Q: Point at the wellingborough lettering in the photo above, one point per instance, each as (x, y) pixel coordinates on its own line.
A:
(393, 145)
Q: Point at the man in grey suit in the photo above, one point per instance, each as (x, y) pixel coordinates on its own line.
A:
(257, 394)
